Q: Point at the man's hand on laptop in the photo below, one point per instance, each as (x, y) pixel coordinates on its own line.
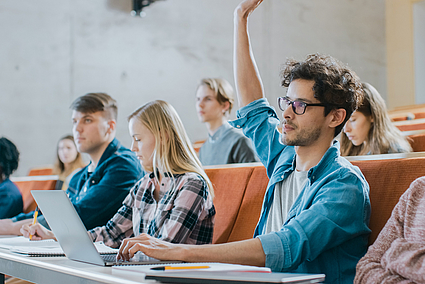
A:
(150, 246)
(37, 231)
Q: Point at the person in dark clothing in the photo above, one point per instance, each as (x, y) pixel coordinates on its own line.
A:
(11, 202)
(97, 190)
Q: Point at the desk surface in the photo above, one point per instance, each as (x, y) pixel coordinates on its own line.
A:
(62, 270)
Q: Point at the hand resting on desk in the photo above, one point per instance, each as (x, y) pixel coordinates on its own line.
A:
(37, 231)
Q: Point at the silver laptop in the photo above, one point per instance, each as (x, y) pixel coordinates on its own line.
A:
(72, 235)
(232, 277)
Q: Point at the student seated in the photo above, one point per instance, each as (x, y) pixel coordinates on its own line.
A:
(398, 254)
(173, 201)
(316, 207)
(68, 161)
(11, 203)
(97, 190)
(225, 144)
(369, 130)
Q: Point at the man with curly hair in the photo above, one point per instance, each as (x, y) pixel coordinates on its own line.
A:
(316, 208)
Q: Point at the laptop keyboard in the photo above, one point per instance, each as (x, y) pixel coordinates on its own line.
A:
(109, 257)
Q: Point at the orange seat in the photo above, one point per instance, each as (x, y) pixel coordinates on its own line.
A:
(229, 189)
(417, 141)
(46, 171)
(27, 184)
(388, 180)
(250, 210)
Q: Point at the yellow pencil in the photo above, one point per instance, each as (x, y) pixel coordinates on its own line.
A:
(179, 267)
(35, 218)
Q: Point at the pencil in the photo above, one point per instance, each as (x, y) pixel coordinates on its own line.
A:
(178, 267)
(35, 218)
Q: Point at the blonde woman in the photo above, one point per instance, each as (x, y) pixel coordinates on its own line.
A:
(68, 161)
(173, 201)
(369, 130)
(225, 144)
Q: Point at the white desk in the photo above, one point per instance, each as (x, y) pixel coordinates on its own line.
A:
(53, 270)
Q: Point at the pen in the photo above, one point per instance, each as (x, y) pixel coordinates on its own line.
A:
(35, 218)
(178, 267)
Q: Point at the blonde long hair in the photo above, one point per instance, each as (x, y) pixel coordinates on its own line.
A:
(59, 166)
(173, 150)
(383, 136)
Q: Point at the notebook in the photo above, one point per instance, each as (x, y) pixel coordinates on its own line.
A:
(232, 277)
(71, 234)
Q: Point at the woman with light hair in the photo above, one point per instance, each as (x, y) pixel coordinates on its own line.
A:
(173, 201)
(369, 130)
(225, 144)
(68, 161)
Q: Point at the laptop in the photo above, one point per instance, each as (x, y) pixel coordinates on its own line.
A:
(72, 235)
(232, 277)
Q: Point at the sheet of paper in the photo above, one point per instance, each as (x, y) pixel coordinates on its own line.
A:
(20, 244)
(22, 241)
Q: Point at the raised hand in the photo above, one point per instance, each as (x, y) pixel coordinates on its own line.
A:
(245, 8)
(37, 231)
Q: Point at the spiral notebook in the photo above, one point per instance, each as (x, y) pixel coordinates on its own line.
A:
(50, 247)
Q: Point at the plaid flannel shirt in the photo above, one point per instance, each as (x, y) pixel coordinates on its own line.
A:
(184, 213)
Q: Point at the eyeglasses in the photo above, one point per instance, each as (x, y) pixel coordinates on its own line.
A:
(297, 106)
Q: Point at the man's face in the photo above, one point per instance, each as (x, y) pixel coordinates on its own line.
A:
(90, 131)
(207, 106)
(305, 129)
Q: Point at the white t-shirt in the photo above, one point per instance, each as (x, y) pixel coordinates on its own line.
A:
(285, 193)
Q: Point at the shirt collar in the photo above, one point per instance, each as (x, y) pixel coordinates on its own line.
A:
(219, 132)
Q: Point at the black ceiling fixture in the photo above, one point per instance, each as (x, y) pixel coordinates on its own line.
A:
(138, 6)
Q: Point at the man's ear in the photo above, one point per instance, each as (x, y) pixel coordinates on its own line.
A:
(112, 125)
(226, 106)
(337, 117)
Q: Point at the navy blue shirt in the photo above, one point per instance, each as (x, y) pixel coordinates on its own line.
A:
(11, 202)
(97, 196)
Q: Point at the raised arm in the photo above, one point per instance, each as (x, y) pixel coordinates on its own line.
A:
(247, 78)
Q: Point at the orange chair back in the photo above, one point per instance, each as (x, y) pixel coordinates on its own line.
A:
(388, 180)
(25, 187)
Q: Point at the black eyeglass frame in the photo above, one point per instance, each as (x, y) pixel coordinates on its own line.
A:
(286, 101)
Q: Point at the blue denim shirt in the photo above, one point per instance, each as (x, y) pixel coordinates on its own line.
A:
(98, 196)
(326, 230)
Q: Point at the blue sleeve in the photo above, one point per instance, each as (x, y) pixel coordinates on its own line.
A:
(106, 194)
(339, 211)
(259, 122)
(9, 206)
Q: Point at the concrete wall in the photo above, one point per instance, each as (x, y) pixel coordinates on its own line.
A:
(419, 46)
(54, 51)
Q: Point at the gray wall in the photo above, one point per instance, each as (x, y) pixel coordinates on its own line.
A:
(54, 51)
(419, 45)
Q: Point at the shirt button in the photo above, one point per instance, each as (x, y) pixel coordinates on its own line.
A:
(282, 176)
(92, 181)
(238, 126)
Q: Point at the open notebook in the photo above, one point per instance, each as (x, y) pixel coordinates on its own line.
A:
(25, 246)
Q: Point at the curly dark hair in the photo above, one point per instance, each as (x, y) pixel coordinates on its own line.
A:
(9, 158)
(336, 85)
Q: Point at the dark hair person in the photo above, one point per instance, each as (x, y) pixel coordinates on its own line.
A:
(11, 202)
